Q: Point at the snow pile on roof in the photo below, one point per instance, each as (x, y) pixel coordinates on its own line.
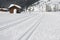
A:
(4, 8)
(14, 5)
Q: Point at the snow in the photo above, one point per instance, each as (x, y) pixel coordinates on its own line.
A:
(45, 6)
(4, 8)
(14, 5)
(30, 26)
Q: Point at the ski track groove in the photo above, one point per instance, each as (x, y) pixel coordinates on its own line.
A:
(32, 29)
(15, 19)
(37, 25)
(8, 26)
(26, 32)
(12, 20)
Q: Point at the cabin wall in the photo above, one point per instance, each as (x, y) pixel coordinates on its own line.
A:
(11, 10)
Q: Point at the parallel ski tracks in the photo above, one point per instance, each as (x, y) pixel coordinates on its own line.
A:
(11, 24)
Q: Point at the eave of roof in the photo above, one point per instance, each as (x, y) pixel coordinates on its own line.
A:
(14, 5)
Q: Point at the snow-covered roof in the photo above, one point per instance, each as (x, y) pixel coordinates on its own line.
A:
(4, 8)
(14, 5)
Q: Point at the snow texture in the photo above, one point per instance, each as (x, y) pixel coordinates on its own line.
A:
(14, 5)
(30, 26)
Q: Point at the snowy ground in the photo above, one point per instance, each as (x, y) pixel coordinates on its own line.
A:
(30, 26)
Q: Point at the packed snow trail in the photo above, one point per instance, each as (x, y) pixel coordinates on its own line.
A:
(49, 28)
(30, 31)
(33, 26)
(27, 23)
(15, 22)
